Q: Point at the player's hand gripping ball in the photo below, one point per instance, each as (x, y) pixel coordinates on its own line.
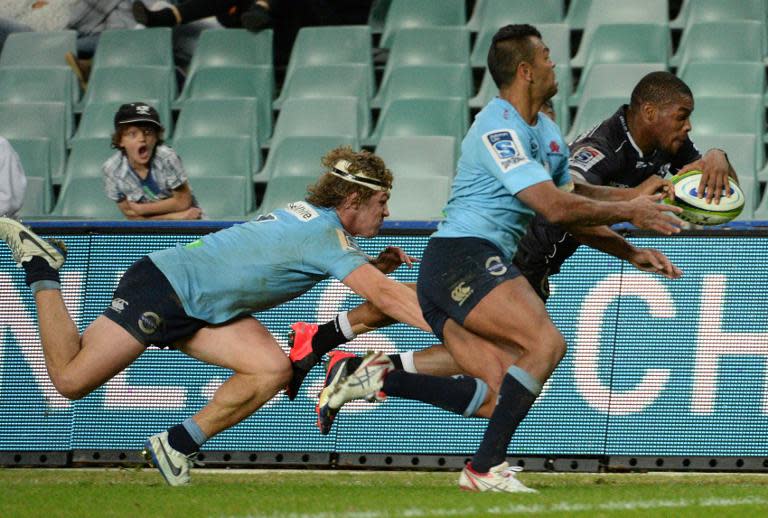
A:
(696, 210)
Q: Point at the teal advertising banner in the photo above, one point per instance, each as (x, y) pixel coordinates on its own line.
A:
(654, 366)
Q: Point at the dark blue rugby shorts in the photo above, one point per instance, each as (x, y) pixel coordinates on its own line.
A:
(145, 305)
(455, 275)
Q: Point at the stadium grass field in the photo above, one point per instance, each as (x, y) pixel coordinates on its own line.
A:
(371, 494)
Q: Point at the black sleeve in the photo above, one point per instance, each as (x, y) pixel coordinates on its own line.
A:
(688, 153)
(594, 160)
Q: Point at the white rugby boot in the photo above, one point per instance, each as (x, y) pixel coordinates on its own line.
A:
(499, 479)
(25, 244)
(173, 465)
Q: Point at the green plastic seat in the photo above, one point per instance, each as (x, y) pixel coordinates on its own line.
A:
(129, 84)
(34, 155)
(742, 114)
(333, 45)
(378, 14)
(221, 118)
(751, 188)
(423, 81)
(409, 14)
(578, 10)
(418, 156)
(408, 202)
(329, 81)
(285, 189)
(224, 197)
(301, 156)
(36, 199)
(740, 148)
(724, 78)
(38, 84)
(42, 120)
(628, 43)
(38, 49)
(733, 41)
(87, 156)
(488, 13)
(84, 198)
(308, 117)
(610, 12)
(448, 116)
(697, 11)
(256, 82)
(98, 118)
(215, 156)
(612, 80)
(593, 111)
(231, 47)
(128, 47)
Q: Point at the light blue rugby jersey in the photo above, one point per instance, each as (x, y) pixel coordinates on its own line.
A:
(500, 156)
(259, 264)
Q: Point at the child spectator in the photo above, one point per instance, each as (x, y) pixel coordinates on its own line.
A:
(145, 177)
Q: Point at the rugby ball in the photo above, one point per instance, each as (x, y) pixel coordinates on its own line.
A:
(696, 210)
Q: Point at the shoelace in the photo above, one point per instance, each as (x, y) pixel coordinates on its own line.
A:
(511, 471)
(192, 458)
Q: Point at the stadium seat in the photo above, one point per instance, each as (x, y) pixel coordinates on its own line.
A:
(85, 198)
(44, 120)
(610, 12)
(612, 80)
(36, 199)
(592, 111)
(300, 156)
(446, 116)
(378, 14)
(334, 116)
(409, 14)
(720, 41)
(283, 190)
(408, 202)
(255, 82)
(724, 78)
(578, 10)
(428, 46)
(98, 118)
(221, 118)
(87, 156)
(40, 84)
(733, 114)
(495, 13)
(231, 48)
(129, 84)
(628, 43)
(224, 197)
(425, 81)
(418, 156)
(351, 80)
(34, 154)
(556, 35)
(38, 49)
(696, 11)
(128, 47)
(216, 156)
(334, 45)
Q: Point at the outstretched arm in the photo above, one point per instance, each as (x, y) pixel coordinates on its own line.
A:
(394, 299)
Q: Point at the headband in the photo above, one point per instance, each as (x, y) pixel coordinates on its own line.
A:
(341, 169)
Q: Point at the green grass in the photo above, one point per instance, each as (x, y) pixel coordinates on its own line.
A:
(142, 493)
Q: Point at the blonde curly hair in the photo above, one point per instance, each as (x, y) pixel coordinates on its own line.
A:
(331, 190)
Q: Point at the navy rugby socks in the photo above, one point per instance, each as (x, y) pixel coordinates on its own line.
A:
(39, 275)
(186, 437)
(518, 392)
(461, 395)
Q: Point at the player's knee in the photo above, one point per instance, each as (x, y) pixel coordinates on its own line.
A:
(554, 348)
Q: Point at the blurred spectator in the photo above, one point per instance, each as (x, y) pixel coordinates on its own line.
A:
(13, 181)
(251, 14)
(145, 177)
